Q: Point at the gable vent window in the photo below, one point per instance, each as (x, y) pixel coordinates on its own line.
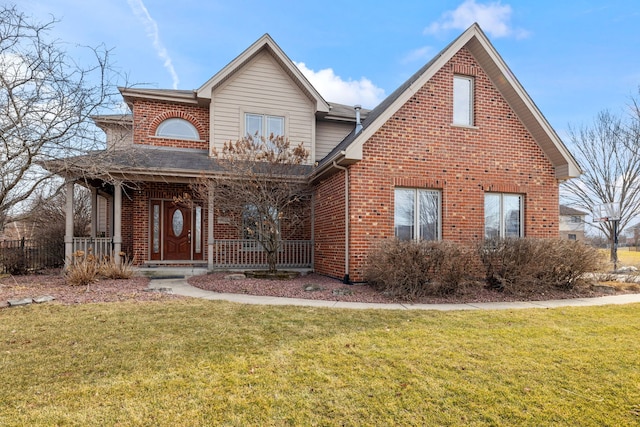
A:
(463, 100)
(176, 128)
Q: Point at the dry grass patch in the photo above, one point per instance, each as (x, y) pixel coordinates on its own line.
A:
(189, 362)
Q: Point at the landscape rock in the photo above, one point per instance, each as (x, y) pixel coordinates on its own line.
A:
(160, 290)
(312, 288)
(606, 289)
(626, 269)
(235, 276)
(342, 291)
(43, 298)
(19, 302)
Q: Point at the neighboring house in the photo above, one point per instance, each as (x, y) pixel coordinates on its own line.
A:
(458, 152)
(572, 223)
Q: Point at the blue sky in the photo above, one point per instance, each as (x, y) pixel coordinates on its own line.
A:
(574, 58)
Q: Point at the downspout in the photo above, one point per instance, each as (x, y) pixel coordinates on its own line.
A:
(346, 222)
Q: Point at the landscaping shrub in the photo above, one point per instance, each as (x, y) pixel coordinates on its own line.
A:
(523, 266)
(86, 268)
(110, 270)
(413, 269)
(83, 269)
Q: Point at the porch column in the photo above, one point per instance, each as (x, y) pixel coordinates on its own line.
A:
(68, 225)
(210, 232)
(117, 221)
(94, 212)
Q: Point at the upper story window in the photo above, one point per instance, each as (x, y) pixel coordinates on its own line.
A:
(503, 215)
(176, 128)
(575, 219)
(463, 100)
(417, 214)
(263, 125)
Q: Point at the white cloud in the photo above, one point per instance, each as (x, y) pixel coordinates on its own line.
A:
(350, 92)
(493, 17)
(141, 12)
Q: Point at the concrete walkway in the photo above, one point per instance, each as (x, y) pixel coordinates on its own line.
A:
(179, 286)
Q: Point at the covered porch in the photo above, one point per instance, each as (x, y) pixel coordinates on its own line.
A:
(146, 225)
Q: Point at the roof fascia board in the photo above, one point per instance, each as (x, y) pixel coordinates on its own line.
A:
(263, 42)
(129, 94)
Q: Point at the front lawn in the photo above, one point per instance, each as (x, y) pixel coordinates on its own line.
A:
(192, 362)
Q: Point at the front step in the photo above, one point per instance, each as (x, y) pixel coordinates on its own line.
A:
(169, 272)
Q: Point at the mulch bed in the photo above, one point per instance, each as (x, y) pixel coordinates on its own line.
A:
(53, 284)
(334, 290)
(312, 286)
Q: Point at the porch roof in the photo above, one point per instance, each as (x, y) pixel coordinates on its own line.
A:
(138, 162)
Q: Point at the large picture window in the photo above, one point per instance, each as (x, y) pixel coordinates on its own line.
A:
(503, 215)
(463, 100)
(417, 214)
(263, 125)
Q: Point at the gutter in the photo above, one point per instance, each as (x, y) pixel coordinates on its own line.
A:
(345, 280)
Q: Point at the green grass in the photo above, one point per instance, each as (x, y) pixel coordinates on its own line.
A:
(203, 363)
(626, 256)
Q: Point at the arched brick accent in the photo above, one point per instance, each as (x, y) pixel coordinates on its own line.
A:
(148, 114)
(176, 114)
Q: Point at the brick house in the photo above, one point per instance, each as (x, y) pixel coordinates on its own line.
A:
(458, 152)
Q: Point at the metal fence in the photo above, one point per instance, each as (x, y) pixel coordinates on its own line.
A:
(26, 255)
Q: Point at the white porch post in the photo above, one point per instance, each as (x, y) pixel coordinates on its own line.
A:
(94, 212)
(117, 221)
(68, 227)
(210, 232)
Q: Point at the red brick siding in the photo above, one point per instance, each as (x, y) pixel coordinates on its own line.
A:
(136, 215)
(136, 219)
(148, 114)
(418, 147)
(329, 230)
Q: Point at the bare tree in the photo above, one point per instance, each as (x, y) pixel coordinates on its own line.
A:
(263, 188)
(46, 101)
(46, 214)
(608, 153)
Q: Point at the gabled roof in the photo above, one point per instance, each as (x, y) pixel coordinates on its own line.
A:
(265, 43)
(567, 210)
(474, 39)
(168, 95)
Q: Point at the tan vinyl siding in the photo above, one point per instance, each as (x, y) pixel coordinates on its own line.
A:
(261, 87)
(118, 136)
(328, 135)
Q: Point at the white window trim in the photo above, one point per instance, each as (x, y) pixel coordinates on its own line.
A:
(195, 129)
(471, 122)
(245, 113)
(416, 213)
(502, 229)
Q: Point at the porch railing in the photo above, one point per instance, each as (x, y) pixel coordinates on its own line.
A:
(100, 246)
(249, 254)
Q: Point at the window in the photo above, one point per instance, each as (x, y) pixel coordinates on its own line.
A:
(572, 237)
(502, 215)
(178, 129)
(575, 219)
(463, 100)
(263, 125)
(417, 214)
